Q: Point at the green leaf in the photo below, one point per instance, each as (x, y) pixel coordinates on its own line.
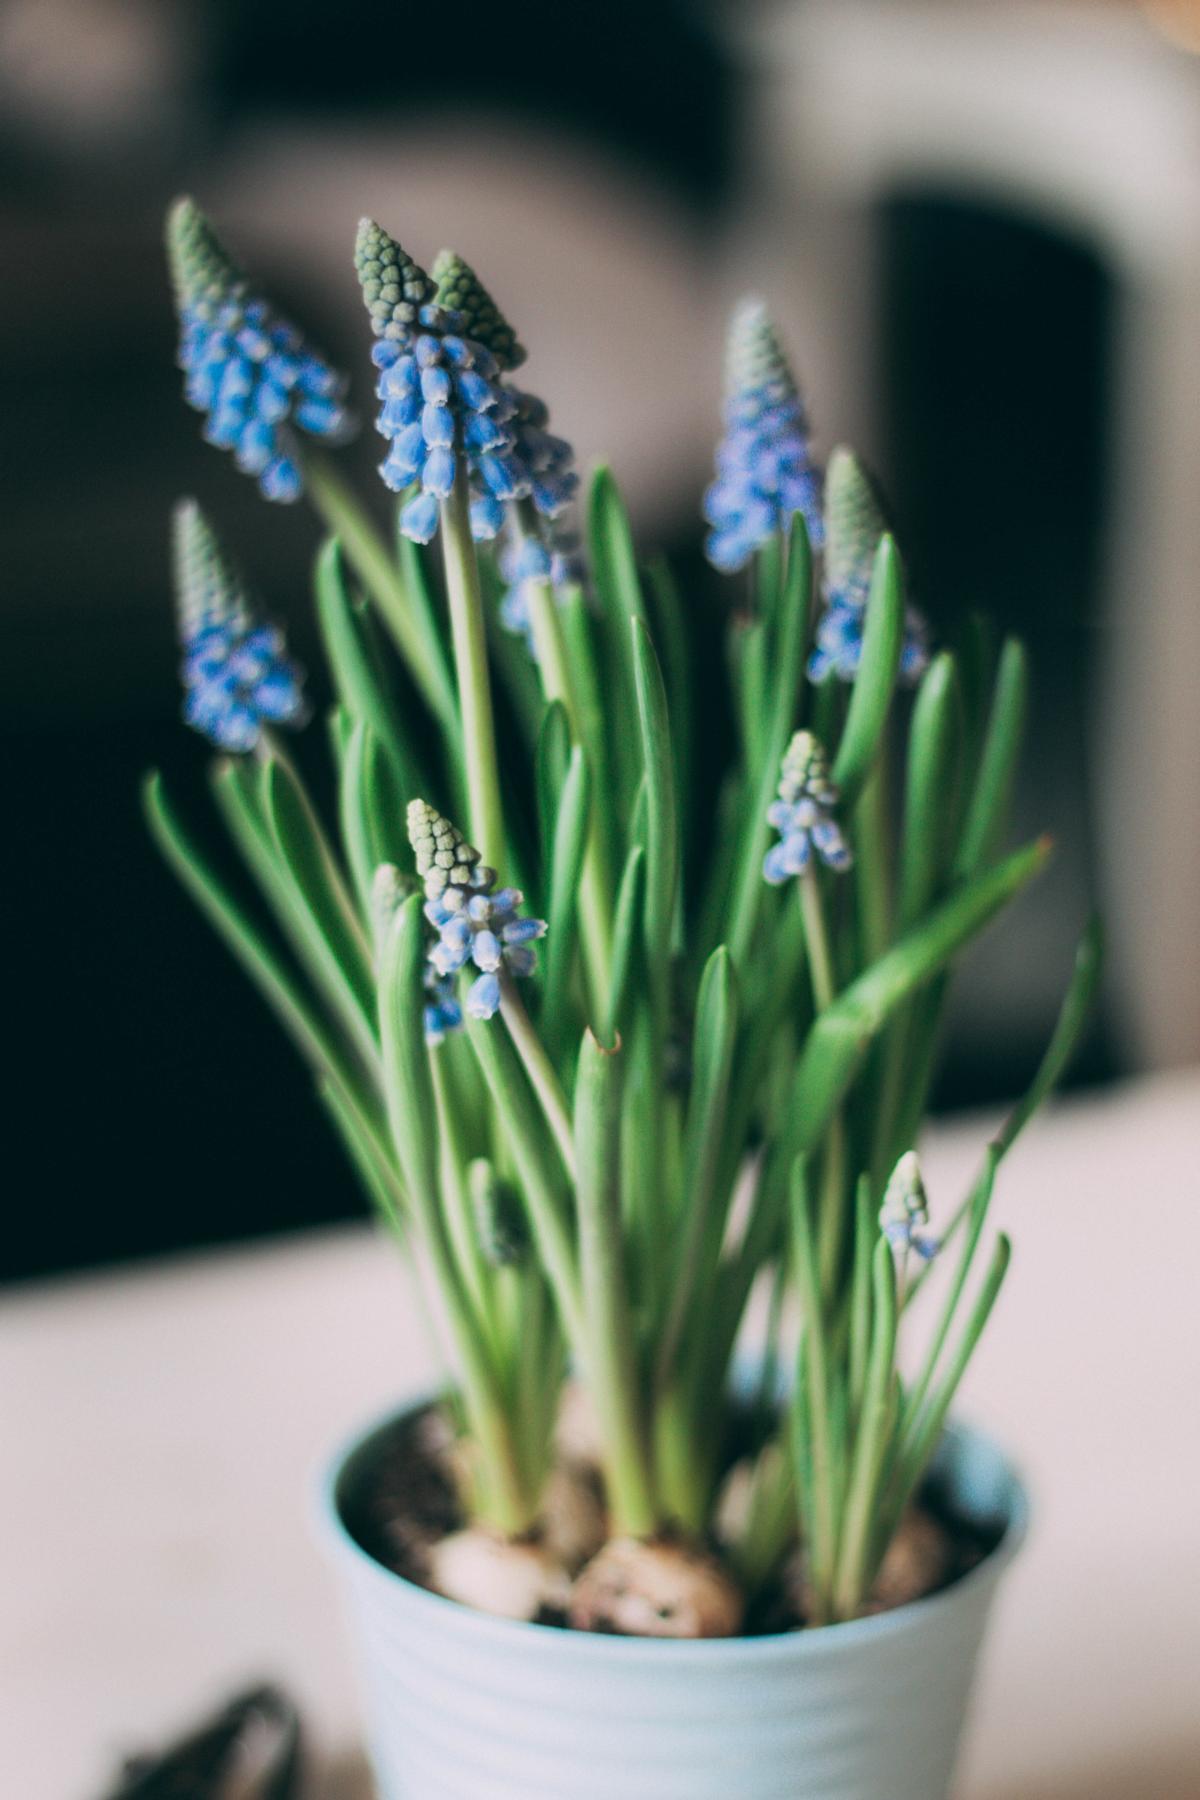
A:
(670, 631)
(619, 591)
(987, 813)
(239, 797)
(662, 832)
(626, 934)
(407, 1080)
(934, 758)
(339, 941)
(1073, 1017)
(873, 1441)
(537, 1164)
(842, 1033)
(871, 695)
(428, 615)
(609, 1354)
(242, 934)
(566, 863)
(376, 568)
(923, 1436)
(699, 1244)
(352, 646)
(372, 811)
(550, 772)
(614, 562)
(787, 669)
(379, 1179)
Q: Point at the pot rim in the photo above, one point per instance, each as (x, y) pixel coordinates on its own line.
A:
(766, 1648)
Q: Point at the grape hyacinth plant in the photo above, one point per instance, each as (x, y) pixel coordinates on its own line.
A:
(612, 1043)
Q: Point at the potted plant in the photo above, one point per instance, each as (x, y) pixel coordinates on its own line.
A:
(623, 1012)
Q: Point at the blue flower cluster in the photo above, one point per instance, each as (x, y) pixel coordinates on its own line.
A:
(803, 814)
(476, 925)
(441, 351)
(556, 558)
(546, 463)
(236, 672)
(765, 472)
(248, 370)
(905, 1210)
(854, 524)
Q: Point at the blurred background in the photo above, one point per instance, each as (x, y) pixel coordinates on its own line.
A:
(979, 226)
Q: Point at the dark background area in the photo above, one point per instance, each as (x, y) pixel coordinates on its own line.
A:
(153, 1103)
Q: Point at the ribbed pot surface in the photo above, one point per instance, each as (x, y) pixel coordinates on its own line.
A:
(465, 1707)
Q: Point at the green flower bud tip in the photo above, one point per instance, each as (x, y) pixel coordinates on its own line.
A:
(499, 1216)
(854, 524)
(803, 814)
(202, 271)
(208, 584)
(460, 289)
(754, 356)
(444, 857)
(905, 1210)
(905, 1193)
(237, 675)
(394, 287)
(806, 769)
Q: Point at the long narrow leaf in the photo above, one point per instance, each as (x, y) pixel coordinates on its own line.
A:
(699, 1245)
(987, 812)
(871, 697)
(566, 864)
(662, 829)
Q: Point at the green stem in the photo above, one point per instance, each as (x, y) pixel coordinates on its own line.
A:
(558, 683)
(465, 601)
(372, 562)
(816, 1388)
(612, 1375)
(816, 935)
(871, 1442)
(540, 1070)
(456, 1205)
(824, 987)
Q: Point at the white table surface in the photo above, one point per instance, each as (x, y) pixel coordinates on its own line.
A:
(161, 1427)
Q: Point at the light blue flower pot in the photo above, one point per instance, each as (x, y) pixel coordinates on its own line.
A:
(461, 1706)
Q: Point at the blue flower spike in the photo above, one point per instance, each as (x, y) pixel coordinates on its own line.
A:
(765, 472)
(478, 926)
(803, 815)
(236, 672)
(854, 524)
(904, 1215)
(248, 370)
(543, 464)
(441, 392)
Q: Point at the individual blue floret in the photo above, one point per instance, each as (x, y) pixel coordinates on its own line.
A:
(236, 671)
(478, 927)
(247, 369)
(765, 473)
(803, 814)
(905, 1210)
(854, 524)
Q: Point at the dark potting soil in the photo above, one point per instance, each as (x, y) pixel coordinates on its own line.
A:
(398, 1499)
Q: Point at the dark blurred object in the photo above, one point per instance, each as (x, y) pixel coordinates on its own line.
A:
(159, 1106)
(249, 1751)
